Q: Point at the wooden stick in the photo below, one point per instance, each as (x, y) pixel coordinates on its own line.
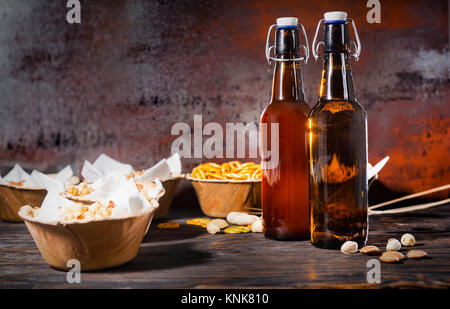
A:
(442, 188)
(408, 208)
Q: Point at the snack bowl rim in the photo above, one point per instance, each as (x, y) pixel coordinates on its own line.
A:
(237, 181)
(23, 188)
(79, 222)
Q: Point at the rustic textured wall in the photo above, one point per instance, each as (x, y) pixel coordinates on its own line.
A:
(120, 80)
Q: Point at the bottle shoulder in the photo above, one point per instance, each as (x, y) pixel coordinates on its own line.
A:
(283, 108)
(337, 106)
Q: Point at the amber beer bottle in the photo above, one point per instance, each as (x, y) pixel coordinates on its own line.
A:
(285, 182)
(337, 143)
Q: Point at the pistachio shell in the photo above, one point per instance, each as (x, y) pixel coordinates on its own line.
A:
(408, 240)
(349, 247)
(393, 245)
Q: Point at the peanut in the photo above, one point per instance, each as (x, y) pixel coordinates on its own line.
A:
(349, 247)
(212, 228)
(416, 254)
(397, 254)
(370, 250)
(257, 226)
(408, 240)
(393, 245)
(241, 218)
(389, 258)
(221, 223)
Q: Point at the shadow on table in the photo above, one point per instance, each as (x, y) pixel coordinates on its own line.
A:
(184, 206)
(164, 257)
(185, 203)
(155, 235)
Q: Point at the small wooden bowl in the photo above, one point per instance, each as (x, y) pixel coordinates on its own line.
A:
(13, 197)
(219, 197)
(97, 244)
(170, 186)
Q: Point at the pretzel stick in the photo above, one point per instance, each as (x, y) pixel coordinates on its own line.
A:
(407, 197)
(408, 208)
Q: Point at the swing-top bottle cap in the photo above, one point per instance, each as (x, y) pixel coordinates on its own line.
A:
(287, 22)
(335, 16)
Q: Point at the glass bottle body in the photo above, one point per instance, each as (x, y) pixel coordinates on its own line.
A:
(338, 160)
(285, 184)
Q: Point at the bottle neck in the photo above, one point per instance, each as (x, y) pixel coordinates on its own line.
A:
(337, 79)
(287, 82)
(287, 79)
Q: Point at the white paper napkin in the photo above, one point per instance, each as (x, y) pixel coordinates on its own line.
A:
(106, 165)
(156, 191)
(174, 164)
(163, 170)
(103, 166)
(50, 208)
(18, 174)
(160, 170)
(48, 182)
(123, 192)
(56, 183)
(65, 174)
(372, 171)
(89, 172)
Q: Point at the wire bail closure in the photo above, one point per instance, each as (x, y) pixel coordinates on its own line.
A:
(357, 46)
(304, 47)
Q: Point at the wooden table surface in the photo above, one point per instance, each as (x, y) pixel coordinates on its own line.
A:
(191, 258)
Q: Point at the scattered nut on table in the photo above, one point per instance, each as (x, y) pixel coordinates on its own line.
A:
(416, 254)
(212, 228)
(397, 254)
(370, 250)
(257, 226)
(389, 258)
(221, 223)
(349, 247)
(168, 225)
(393, 245)
(241, 218)
(408, 240)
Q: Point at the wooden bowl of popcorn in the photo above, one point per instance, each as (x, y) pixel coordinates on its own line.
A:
(168, 171)
(101, 224)
(19, 188)
(12, 197)
(97, 244)
(170, 187)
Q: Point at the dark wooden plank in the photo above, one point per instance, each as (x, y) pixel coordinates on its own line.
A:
(191, 258)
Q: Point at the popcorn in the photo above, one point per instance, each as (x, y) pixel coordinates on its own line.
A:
(85, 212)
(111, 190)
(112, 196)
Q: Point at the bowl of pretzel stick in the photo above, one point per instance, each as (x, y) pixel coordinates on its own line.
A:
(227, 187)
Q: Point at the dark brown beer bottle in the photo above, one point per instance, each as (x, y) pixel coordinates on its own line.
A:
(285, 179)
(337, 145)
